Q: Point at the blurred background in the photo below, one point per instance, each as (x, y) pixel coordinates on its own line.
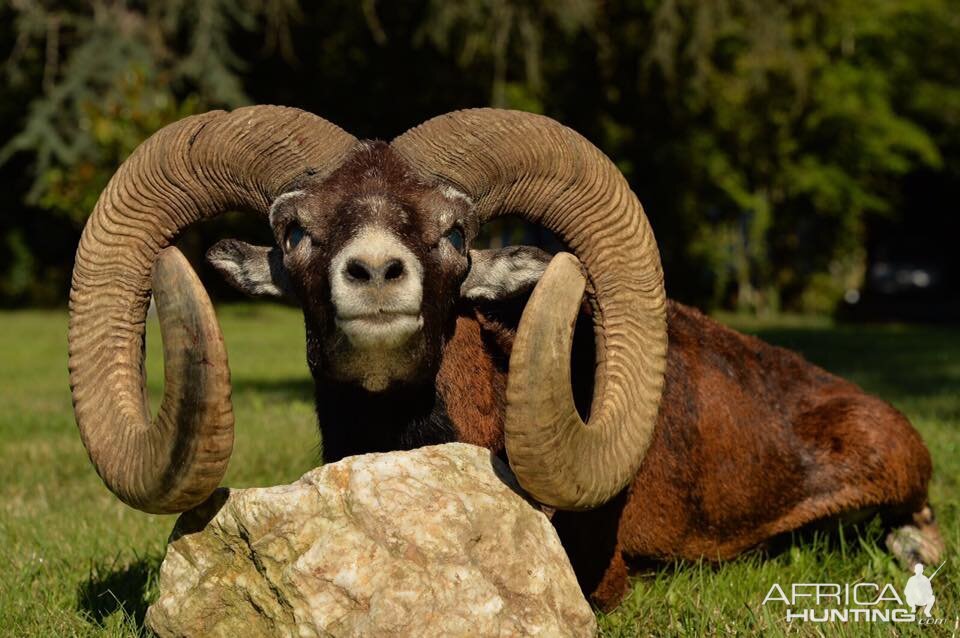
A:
(793, 155)
(799, 161)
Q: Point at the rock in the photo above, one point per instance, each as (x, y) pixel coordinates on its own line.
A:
(431, 542)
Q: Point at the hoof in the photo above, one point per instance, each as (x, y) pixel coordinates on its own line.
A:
(919, 542)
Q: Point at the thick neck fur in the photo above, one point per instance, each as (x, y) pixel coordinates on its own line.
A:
(464, 401)
(355, 421)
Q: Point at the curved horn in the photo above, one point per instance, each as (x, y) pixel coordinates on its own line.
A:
(193, 169)
(514, 162)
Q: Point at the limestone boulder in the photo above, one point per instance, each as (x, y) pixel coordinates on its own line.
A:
(431, 542)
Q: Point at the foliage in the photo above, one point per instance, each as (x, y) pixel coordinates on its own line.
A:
(789, 130)
(101, 77)
(487, 29)
(125, 74)
(765, 137)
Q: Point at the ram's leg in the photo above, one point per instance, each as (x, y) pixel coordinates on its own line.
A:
(869, 458)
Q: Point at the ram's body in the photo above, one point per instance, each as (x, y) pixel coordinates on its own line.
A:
(752, 441)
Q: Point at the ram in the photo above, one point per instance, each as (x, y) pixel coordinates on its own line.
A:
(698, 441)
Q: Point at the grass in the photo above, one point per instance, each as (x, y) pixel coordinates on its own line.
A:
(76, 562)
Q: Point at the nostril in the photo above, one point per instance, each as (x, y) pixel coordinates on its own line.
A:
(357, 271)
(394, 270)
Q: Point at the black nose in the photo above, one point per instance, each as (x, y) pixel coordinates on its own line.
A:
(360, 272)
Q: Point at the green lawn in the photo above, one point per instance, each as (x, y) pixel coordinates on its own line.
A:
(74, 561)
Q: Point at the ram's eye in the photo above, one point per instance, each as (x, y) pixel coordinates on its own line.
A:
(294, 236)
(455, 237)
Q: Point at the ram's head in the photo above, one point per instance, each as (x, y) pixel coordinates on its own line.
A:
(375, 255)
(372, 240)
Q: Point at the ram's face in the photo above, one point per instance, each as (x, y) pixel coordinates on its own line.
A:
(376, 259)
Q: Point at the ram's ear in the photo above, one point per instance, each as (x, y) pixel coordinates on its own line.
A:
(505, 273)
(254, 270)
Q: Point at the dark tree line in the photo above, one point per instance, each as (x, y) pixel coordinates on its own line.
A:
(778, 146)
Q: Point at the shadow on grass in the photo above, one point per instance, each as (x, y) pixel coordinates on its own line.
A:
(113, 588)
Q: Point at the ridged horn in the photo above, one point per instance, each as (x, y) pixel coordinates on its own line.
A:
(515, 162)
(191, 170)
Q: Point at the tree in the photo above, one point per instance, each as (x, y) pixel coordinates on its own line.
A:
(764, 137)
(786, 134)
(102, 77)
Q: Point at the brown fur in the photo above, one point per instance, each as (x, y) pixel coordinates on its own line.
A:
(752, 441)
(470, 369)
